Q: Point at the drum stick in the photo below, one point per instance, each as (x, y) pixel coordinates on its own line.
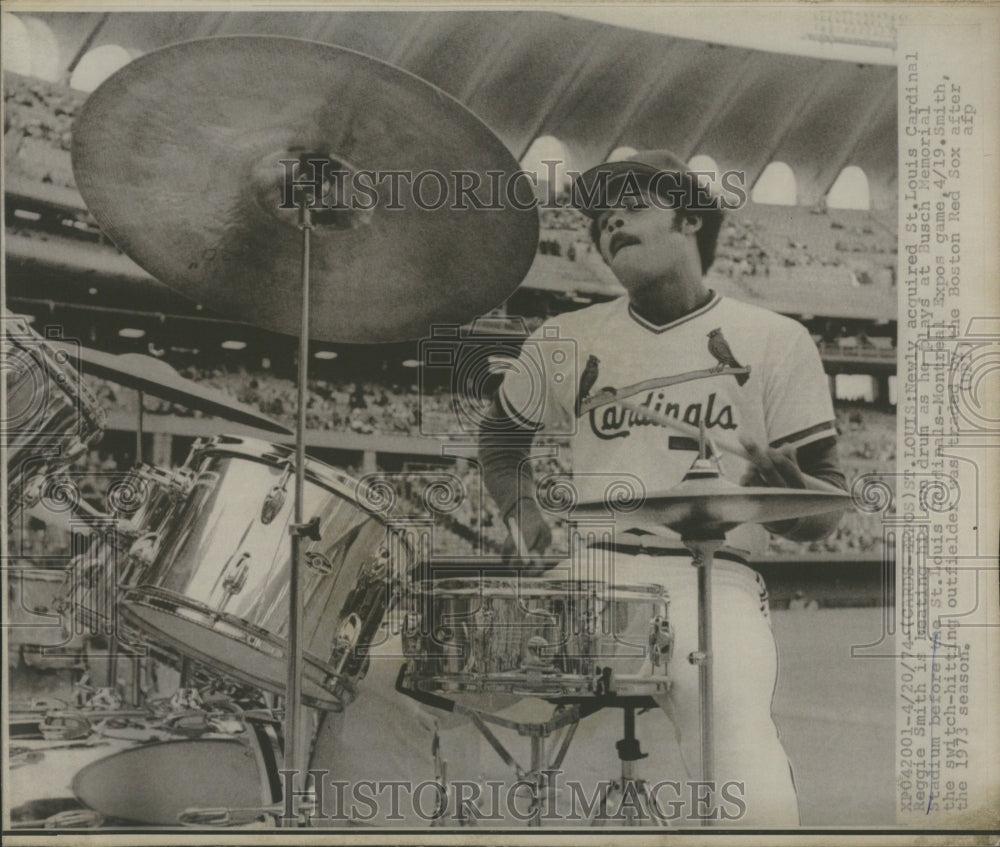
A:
(686, 429)
(813, 483)
(515, 533)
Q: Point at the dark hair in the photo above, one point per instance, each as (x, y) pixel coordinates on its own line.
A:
(707, 238)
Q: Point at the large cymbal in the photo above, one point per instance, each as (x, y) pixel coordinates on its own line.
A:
(156, 377)
(177, 155)
(699, 506)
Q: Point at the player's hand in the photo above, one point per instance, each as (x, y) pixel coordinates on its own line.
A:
(773, 467)
(533, 528)
(779, 468)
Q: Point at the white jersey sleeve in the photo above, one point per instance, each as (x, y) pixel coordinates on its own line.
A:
(798, 408)
(537, 389)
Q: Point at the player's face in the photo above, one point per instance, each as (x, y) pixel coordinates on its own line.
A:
(640, 243)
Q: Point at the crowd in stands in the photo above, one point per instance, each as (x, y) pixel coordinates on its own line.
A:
(342, 406)
(38, 120)
(755, 240)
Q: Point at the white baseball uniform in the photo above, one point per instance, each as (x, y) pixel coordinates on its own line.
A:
(740, 371)
(764, 380)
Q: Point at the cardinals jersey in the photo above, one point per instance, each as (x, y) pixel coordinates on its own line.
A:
(740, 370)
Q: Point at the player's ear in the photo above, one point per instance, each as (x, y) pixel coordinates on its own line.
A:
(691, 224)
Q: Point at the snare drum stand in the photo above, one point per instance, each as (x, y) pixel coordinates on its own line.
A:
(536, 774)
(637, 804)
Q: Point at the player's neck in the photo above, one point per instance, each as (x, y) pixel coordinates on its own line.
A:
(666, 302)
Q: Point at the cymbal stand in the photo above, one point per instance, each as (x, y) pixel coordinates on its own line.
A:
(293, 699)
(703, 542)
(702, 554)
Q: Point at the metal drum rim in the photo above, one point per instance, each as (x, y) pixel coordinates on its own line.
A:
(554, 587)
(146, 594)
(258, 450)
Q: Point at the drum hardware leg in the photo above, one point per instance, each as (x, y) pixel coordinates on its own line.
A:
(702, 555)
(562, 716)
(643, 805)
(537, 761)
(135, 689)
(441, 778)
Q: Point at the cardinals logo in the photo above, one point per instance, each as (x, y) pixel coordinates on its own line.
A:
(719, 348)
(587, 380)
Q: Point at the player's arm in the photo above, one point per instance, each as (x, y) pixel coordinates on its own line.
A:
(814, 466)
(504, 448)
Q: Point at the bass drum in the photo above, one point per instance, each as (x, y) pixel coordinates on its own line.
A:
(217, 589)
(159, 783)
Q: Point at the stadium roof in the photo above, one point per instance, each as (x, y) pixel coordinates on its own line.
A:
(592, 85)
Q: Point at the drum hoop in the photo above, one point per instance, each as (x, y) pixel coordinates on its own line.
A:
(335, 700)
(541, 684)
(269, 453)
(521, 587)
(160, 599)
(267, 751)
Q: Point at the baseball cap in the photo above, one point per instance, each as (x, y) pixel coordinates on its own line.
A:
(596, 189)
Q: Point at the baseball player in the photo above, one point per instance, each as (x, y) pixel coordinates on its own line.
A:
(750, 378)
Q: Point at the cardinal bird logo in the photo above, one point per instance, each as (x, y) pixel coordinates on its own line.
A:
(719, 348)
(587, 380)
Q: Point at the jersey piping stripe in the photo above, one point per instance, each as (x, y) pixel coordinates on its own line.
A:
(825, 427)
(639, 319)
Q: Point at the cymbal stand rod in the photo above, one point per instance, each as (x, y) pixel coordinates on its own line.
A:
(703, 552)
(294, 654)
(138, 430)
(133, 699)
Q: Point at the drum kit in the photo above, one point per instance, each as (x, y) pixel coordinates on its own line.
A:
(262, 576)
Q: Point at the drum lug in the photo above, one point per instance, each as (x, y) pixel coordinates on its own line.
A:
(234, 582)
(275, 498)
(182, 483)
(661, 641)
(144, 550)
(534, 660)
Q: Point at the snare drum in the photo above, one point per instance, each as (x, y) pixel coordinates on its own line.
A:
(51, 416)
(532, 636)
(217, 588)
